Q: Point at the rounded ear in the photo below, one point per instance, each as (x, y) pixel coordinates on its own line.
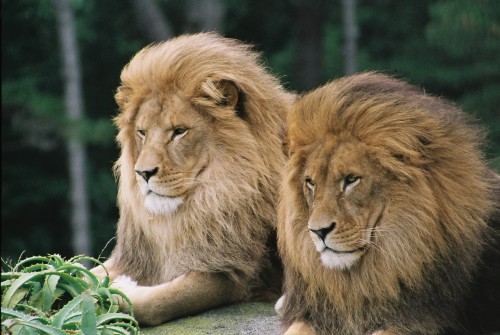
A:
(218, 93)
(229, 92)
(122, 96)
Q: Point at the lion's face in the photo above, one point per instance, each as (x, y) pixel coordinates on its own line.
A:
(342, 188)
(171, 138)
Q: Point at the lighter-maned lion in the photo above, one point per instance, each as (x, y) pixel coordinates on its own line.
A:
(388, 217)
(201, 127)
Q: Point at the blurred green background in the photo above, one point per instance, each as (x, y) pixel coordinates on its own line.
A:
(450, 48)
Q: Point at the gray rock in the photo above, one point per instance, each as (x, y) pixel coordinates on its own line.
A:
(251, 318)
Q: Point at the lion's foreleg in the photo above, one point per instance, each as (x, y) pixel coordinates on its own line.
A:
(188, 294)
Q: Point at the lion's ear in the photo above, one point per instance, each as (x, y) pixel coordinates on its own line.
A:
(230, 93)
(122, 96)
(223, 93)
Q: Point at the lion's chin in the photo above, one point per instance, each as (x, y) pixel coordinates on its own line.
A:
(339, 261)
(159, 204)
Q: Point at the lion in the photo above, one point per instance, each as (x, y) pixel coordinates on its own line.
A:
(201, 132)
(388, 215)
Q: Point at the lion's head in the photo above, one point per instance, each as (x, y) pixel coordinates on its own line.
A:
(178, 146)
(385, 202)
(200, 129)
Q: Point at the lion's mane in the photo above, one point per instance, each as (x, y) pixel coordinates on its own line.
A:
(434, 262)
(225, 226)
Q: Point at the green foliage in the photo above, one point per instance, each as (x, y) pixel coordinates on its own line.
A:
(50, 295)
(465, 37)
(35, 181)
(449, 47)
(463, 28)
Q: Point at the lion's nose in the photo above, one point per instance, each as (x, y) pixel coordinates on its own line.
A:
(146, 174)
(322, 232)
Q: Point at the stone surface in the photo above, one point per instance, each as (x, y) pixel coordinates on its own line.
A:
(253, 318)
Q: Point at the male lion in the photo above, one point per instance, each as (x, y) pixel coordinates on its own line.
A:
(389, 217)
(200, 129)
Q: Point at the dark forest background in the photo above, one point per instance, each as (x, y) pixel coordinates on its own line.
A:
(450, 48)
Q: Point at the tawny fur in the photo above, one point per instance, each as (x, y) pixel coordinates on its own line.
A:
(432, 262)
(228, 217)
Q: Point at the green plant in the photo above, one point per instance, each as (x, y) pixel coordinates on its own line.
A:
(50, 295)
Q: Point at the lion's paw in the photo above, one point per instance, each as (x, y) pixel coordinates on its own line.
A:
(278, 307)
(125, 283)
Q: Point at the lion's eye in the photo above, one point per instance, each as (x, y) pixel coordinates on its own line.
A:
(309, 183)
(350, 180)
(179, 131)
(141, 133)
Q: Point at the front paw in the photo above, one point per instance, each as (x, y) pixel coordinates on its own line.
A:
(278, 307)
(300, 328)
(124, 283)
(129, 287)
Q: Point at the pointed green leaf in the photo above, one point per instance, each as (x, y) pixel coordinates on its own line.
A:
(19, 296)
(114, 330)
(107, 331)
(89, 326)
(80, 269)
(38, 326)
(13, 313)
(34, 313)
(29, 260)
(9, 276)
(23, 330)
(7, 300)
(37, 267)
(48, 292)
(64, 313)
(122, 328)
(106, 318)
(35, 297)
(70, 289)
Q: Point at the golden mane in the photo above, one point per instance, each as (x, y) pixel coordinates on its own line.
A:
(440, 195)
(225, 226)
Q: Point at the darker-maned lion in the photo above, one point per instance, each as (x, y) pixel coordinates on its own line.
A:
(389, 216)
(201, 127)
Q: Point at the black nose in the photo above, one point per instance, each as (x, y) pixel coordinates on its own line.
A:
(146, 174)
(323, 231)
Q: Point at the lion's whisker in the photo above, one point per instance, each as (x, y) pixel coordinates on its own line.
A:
(370, 243)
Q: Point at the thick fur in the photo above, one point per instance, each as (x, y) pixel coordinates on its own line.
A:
(430, 264)
(212, 242)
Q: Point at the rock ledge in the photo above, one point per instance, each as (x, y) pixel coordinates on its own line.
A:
(251, 318)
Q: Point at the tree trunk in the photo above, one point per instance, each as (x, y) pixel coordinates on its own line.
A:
(205, 15)
(151, 20)
(77, 159)
(350, 36)
(310, 18)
